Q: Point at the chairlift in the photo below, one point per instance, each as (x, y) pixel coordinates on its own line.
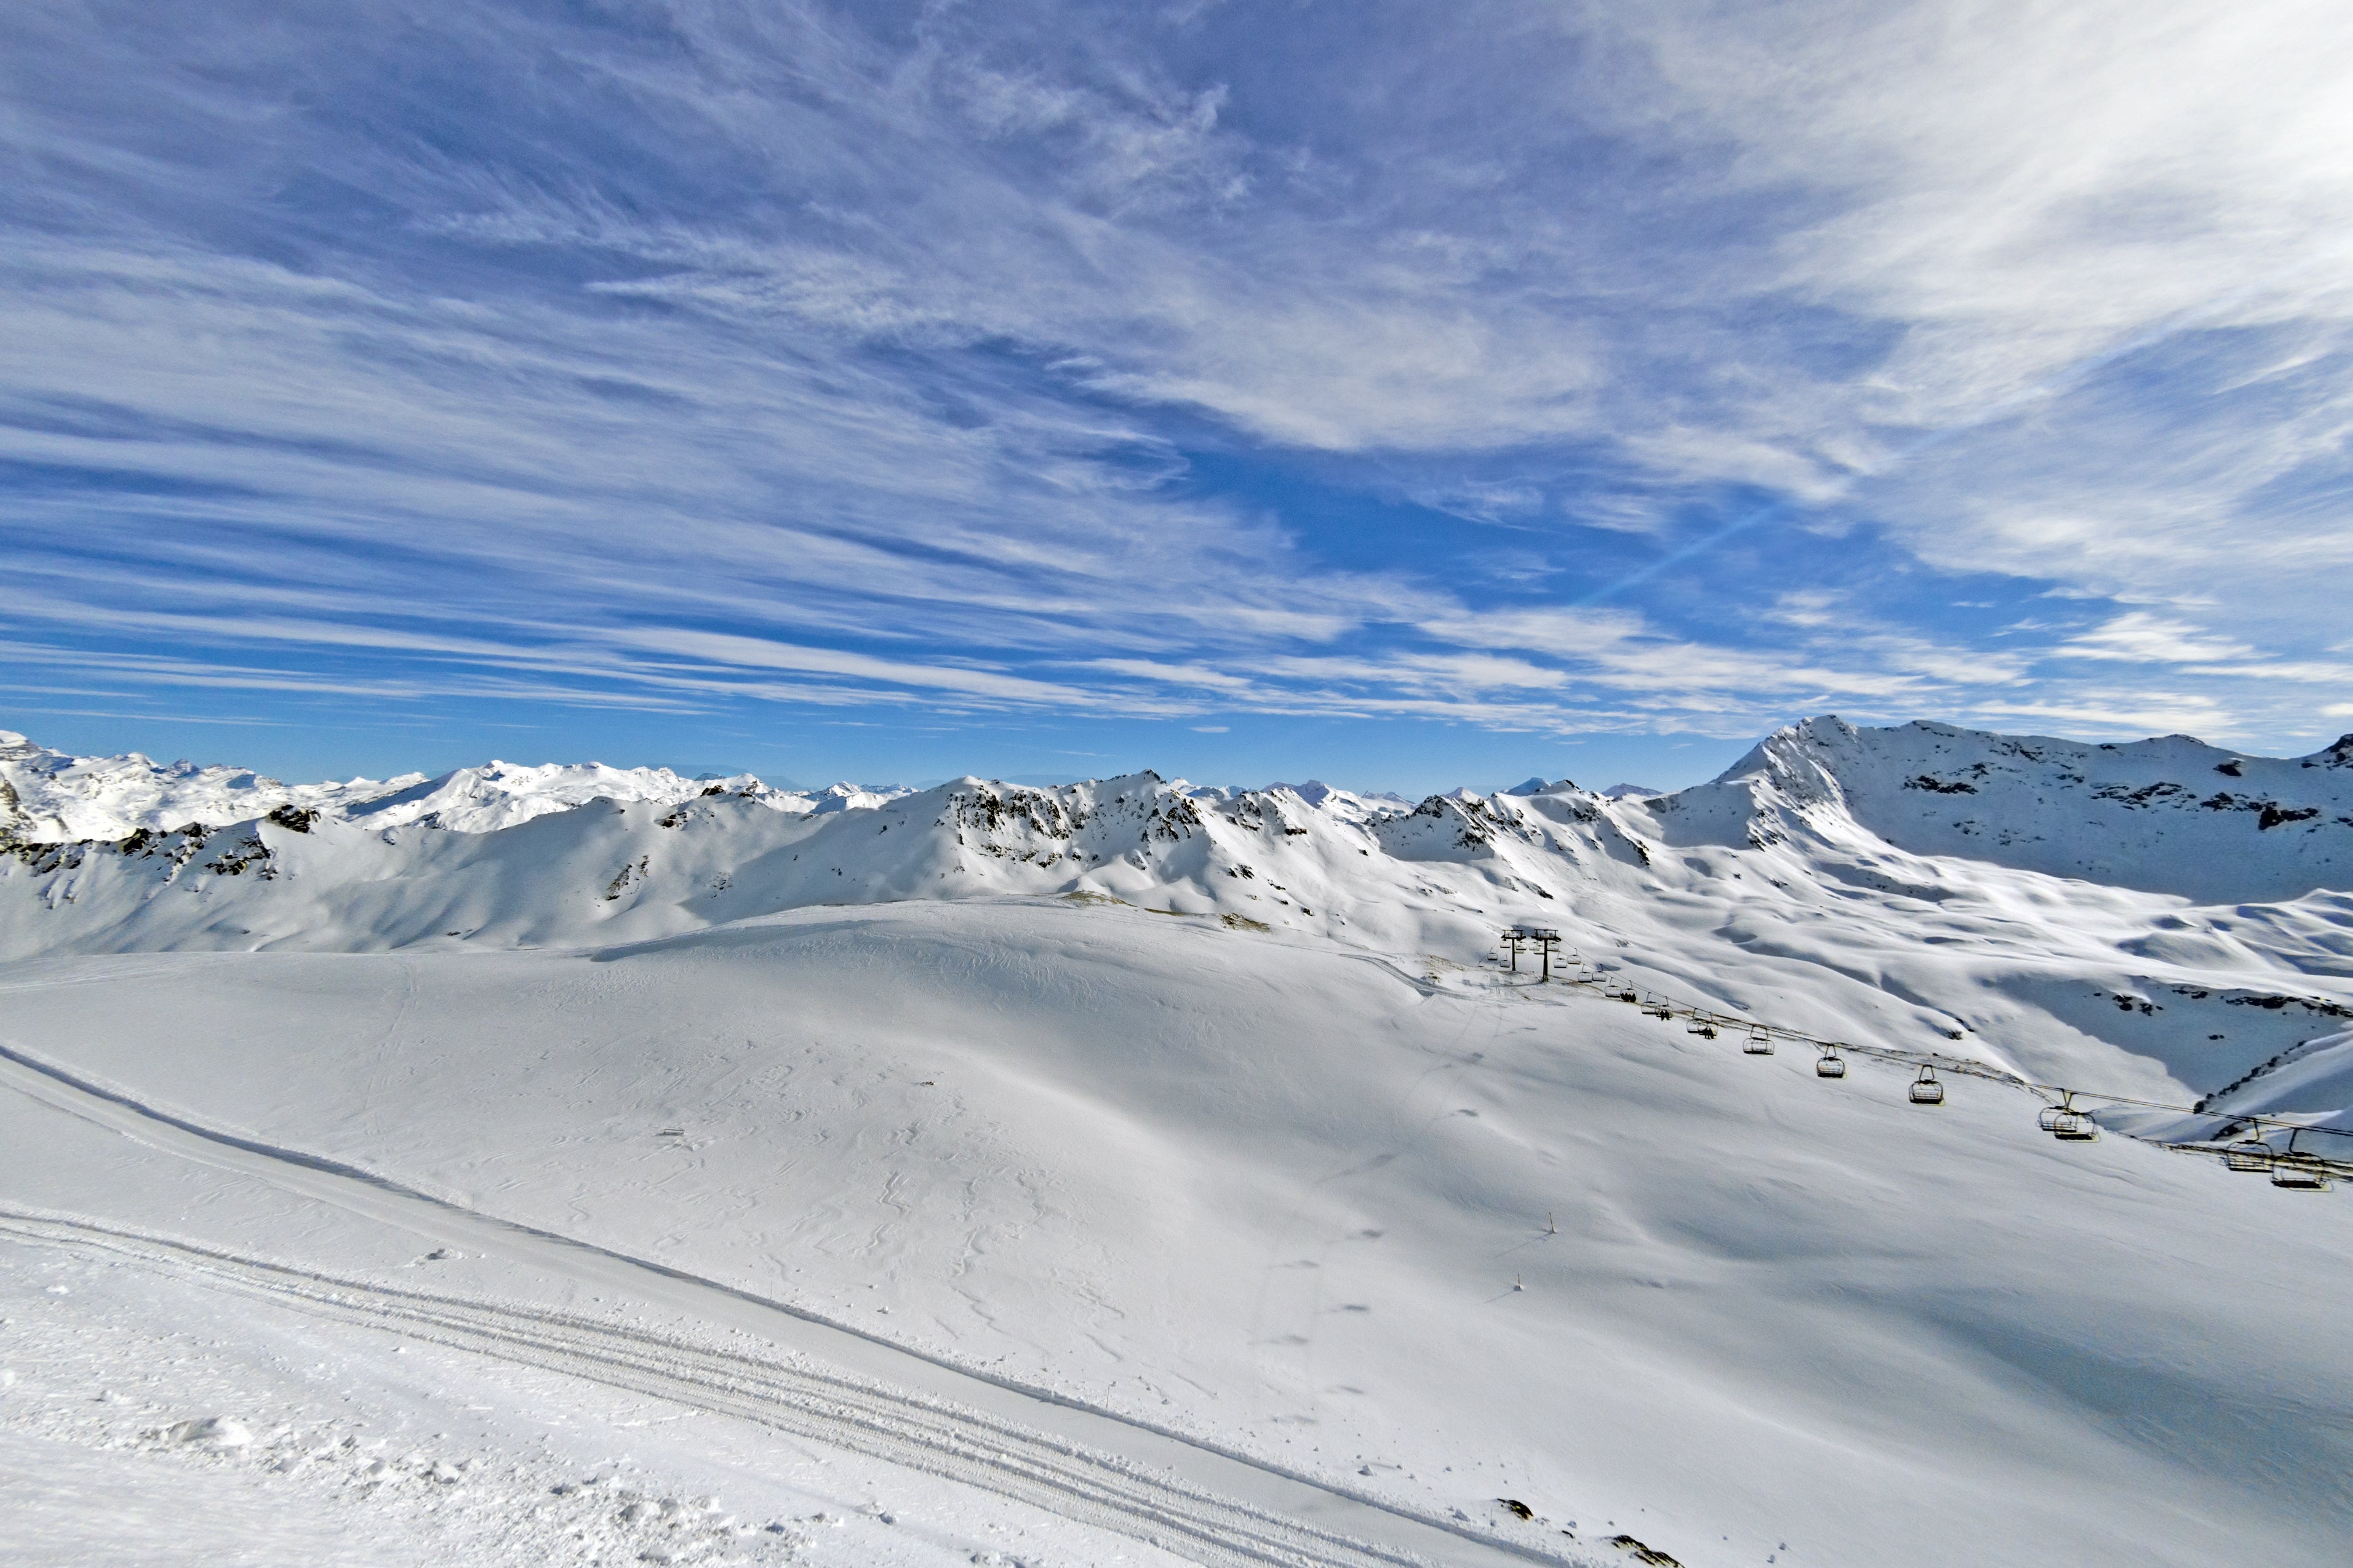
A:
(2066, 1123)
(2298, 1173)
(1657, 1008)
(2299, 1176)
(1925, 1089)
(2251, 1154)
(1759, 1042)
(1702, 1024)
(1830, 1064)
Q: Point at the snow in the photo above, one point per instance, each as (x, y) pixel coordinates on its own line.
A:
(503, 794)
(2172, 814)
(46, 796)
(1216, 1113)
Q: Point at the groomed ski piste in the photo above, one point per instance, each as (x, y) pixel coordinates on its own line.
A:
(682, 1171)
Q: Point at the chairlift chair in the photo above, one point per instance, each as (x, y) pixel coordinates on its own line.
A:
(2066, 1123)
(1830, 1064)
(2298, 1173)
(1702, 1024)
(1925, 1089)
(1759, 1042)
(1657, 1008)
(2251, 1154)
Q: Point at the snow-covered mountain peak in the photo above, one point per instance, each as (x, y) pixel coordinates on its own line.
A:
(2167, 815)
(842, 796)
(1314, 791)
(501, 795)
(48, 795)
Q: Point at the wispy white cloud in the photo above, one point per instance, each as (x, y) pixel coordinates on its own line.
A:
(759, 354)
(2141, 638)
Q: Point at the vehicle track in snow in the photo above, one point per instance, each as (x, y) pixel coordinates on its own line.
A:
(1202, 1503)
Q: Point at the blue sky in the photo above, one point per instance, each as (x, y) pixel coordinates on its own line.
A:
(1404, 394)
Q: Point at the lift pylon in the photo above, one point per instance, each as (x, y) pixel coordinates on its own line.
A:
(1544, 938)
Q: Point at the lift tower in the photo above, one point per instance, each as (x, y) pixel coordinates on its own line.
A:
(1544, 937)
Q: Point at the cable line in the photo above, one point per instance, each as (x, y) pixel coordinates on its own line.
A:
(2238, 1140)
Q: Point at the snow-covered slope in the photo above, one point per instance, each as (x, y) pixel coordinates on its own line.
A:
(1439, 1242)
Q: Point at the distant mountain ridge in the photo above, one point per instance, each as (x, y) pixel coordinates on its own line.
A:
(50, 796)
(2167, 815)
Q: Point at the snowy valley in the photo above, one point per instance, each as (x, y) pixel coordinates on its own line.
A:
(1164, 1173)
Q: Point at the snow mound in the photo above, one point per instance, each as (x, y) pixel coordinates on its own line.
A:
(213, 1431)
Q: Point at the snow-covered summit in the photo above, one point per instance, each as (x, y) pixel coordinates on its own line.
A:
(49, 796)
(501, 795)
(2169, 815)
(842, 796)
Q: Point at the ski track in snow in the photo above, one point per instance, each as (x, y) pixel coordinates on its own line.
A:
(1090, 1485)
(957, 1445)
